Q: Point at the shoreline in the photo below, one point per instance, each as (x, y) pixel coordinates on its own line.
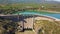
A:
(51, 11)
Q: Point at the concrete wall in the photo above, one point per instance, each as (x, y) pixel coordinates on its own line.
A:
(29, 23)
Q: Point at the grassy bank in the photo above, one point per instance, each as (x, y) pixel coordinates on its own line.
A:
(48, 27)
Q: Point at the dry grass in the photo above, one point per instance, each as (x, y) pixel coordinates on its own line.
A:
(48, 27)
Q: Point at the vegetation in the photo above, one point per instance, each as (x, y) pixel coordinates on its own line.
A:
(48, 27)
(6, 26)
(10, 8)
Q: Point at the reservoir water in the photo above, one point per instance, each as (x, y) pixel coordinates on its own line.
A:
(55, 15)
